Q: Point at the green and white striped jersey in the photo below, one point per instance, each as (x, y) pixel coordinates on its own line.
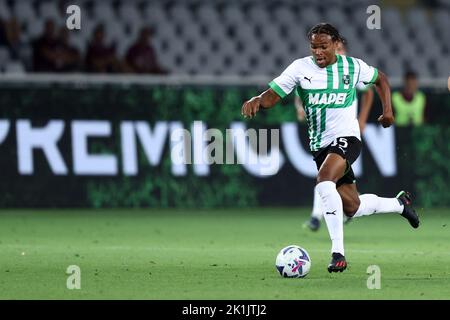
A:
(328, 95)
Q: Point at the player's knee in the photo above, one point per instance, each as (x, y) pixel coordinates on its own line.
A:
(351, 208)
(320, 179)
(350, 211)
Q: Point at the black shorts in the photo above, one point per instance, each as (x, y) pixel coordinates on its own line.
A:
(348, 148)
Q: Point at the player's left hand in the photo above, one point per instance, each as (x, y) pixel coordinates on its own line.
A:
(386, 120)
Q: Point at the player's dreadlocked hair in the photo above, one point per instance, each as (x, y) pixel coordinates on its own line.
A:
(344, 42)
(325, 28)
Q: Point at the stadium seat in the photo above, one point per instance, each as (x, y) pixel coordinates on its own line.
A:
(233, 14)
(207, 13)
(24, 11)
(129, 12)
(78, 41)
(5, 13)
(309, 16)
(15, 67)
(225, 29)
(32, 29)
(416, 17)
(284, 14)
(258, 12)
(103, 10)
(180, 14)
(49, 10)
(4, 55)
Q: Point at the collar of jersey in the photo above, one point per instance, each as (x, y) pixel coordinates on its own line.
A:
(330, 65)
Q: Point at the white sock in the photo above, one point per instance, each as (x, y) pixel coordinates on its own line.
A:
(332, 204)
(317, 206)
(371, 203)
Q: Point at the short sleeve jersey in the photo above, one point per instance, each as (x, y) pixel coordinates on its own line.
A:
(328, 95)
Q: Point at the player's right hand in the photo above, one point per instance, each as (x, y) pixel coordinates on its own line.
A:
(251, 107)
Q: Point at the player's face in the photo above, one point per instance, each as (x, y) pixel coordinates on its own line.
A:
(323, 49)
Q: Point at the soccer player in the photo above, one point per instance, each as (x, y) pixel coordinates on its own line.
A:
(326, 83)
(366, 104)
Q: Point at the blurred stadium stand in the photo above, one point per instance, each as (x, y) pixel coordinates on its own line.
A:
(248, 37)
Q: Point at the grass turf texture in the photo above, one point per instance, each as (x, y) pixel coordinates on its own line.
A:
(215, 254)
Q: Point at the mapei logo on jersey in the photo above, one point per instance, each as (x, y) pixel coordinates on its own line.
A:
(346, 79)
(327, 98)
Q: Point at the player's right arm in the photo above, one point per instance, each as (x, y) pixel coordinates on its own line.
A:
(299, 107)
(280, 87)
(265, 100)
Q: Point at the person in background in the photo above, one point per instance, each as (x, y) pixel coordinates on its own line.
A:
(101, 57)
(3, 39)
(409, 103)
(141, 56)
(68, 57)
(44, 56)
(13, 37)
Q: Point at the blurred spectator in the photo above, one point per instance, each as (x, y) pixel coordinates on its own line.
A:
(100, 57)
(3, 39)
(430, 3)
(409, 104)
(44, 56)
(141, 56)
(13, 38)
(67, 57)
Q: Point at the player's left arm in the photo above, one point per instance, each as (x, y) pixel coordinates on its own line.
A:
(384, 92)
(371, 75)
(366, 106)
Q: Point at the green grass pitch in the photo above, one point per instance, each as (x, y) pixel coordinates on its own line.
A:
(215, 254)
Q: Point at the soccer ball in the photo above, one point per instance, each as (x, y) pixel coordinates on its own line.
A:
(293, 262)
